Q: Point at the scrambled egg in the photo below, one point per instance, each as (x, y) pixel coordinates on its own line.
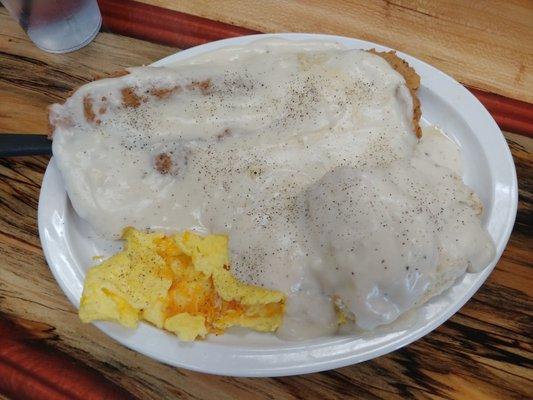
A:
(179, 283)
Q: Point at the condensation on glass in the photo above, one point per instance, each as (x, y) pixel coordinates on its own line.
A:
(57, 26)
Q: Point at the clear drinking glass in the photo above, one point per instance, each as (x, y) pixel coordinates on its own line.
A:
(57, 26)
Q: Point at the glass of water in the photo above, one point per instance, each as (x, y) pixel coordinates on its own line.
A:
(57, 26)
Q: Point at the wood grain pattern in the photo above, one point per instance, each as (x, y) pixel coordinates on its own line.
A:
(31, 79)
(483, 352)
(484, 44)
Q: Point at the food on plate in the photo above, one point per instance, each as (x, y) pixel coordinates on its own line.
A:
(180, 283)
(417, 231)
(310, 157)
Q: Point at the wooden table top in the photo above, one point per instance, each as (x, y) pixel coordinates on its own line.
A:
(484, 351)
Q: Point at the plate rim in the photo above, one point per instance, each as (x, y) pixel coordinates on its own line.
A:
(314, 364)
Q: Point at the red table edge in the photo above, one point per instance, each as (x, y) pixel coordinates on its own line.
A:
(63, 377)
(31, 369)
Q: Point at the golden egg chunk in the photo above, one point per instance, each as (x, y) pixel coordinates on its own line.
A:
(180, 283)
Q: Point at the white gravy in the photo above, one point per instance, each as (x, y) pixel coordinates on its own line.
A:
(304, 154)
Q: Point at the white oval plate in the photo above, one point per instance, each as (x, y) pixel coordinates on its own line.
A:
(69, 245)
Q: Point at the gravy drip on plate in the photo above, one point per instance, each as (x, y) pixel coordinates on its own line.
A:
(303, 153)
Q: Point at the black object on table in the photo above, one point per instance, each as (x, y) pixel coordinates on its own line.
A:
(13, 145)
